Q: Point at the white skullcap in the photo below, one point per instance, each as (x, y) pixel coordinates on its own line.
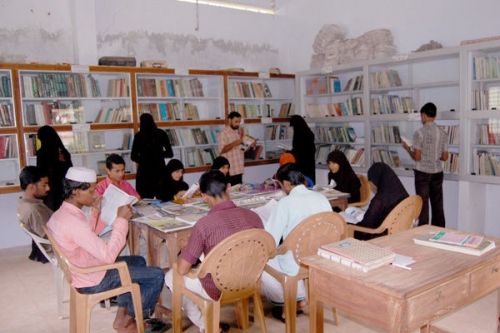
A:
(81, 174)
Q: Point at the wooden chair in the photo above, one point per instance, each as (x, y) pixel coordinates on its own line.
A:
(81, 304)
(303, 241)
(400, 218)
(42, 244)
(235, 265)
(364, 192)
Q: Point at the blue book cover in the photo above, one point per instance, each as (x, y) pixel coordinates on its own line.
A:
(163, 111)
(170, 88)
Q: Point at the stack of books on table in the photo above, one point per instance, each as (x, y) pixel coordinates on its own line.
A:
(456, 241)
(357, 254)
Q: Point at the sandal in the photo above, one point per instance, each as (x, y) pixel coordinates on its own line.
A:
(154, 325)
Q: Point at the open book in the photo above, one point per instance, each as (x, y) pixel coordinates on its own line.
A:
(113, 198)
(353, 215)
(192, 190)
(247, 142)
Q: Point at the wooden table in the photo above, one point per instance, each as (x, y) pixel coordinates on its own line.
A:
(399, 300)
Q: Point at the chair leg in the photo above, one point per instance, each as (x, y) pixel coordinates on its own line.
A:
(258, 310)
(137, 301)
(82, 317)
(335, 317)
(212, 316)
(177, 311)
(59, 282)
(242, 314)
(290, 297)
(72, 311)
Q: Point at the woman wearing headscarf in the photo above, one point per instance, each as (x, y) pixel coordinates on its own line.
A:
(343, 175)
(150, 148)
(173, 183)
(388, 193)
(55, 159)
(303, 147)
(222, 164)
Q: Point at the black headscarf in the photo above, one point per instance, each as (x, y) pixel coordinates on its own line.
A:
(147, 123)
(390, 192)
(219, 162)
(171, 187)
(303, 146)
(346, 179)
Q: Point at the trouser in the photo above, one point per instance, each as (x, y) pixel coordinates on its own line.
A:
(150, 280)
(236, 179)
(429, 186)
(192, 310)
(272, 288)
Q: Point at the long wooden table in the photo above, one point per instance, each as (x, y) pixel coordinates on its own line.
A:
(399, 300)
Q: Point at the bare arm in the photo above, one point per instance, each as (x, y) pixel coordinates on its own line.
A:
(415, 154)
(444, 156)
(230, 146)
(183, 266)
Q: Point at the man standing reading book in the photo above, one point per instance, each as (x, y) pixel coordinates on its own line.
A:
(230, 140)
(223, 220)
(76, 234)
(430, 149)
(115, 169)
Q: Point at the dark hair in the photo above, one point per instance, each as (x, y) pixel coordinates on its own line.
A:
(114, 159)
(429, 109)
(174, 165)
(219, 162)
(233, 114)
(70, 185)
(291, 173)
(213, 183)
(31, 175)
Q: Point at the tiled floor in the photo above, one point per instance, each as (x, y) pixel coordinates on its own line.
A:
(28, 304)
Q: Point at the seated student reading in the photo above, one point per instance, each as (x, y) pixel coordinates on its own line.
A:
(222, 164)
(291, 210)
(389, 192)
(343, 175)
(173, 185)
(31, 211)
(115, 170)
(288, 157)
(223, 220)
(77, 236)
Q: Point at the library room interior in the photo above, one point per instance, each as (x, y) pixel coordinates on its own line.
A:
(250, 165)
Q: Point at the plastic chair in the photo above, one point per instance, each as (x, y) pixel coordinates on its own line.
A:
(81, 304)
(58, 273)
(235, 265)
(400, 218)
(304, 240)
(364, 192)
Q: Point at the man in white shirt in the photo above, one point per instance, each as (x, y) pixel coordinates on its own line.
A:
(299, 204)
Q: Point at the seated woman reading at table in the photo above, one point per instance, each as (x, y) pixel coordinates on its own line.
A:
(343, 175)
(173, 184)
(388, 193)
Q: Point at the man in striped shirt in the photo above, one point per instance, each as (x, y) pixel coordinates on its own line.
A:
(229, 141)
(430, 149)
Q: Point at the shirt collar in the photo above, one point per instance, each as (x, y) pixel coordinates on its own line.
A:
(32, 200)
(67, 206)
(223, 206)
(108, 182)
(298, 189)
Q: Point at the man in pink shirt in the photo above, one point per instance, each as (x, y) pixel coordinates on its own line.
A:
(223, 220)
(115, 168)
(77, 236)
(229, 141)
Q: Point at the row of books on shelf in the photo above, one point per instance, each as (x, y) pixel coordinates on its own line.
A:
(355, 156)
(321, 85)
(60, 85)
(118, 88)
(114, 115)
(453, 132)
(488, 99)
(6, 115)
(5, 86)
(254, 154)
(489, 134)
(386, 134)
(486, 67)
(170, 111)
(385, 79)
(170, 87)
(350, 107)
(452, 164)
(200, 157)
(248, 89)
(53, 113)
(8, 147)
(251, 110)
(278, 132)
(390, 157)
(486, 163)
(192, 136)
(388, 104)
(335, 134)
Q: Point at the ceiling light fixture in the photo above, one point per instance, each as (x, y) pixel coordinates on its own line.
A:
(248, 8)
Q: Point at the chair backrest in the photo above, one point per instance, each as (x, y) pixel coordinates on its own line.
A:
(402, 216)
(61, 259)
(237, 262)
(40, 242)
(314, 231)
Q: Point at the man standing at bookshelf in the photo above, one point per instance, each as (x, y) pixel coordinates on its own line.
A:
(430, 149)
(230, 140)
